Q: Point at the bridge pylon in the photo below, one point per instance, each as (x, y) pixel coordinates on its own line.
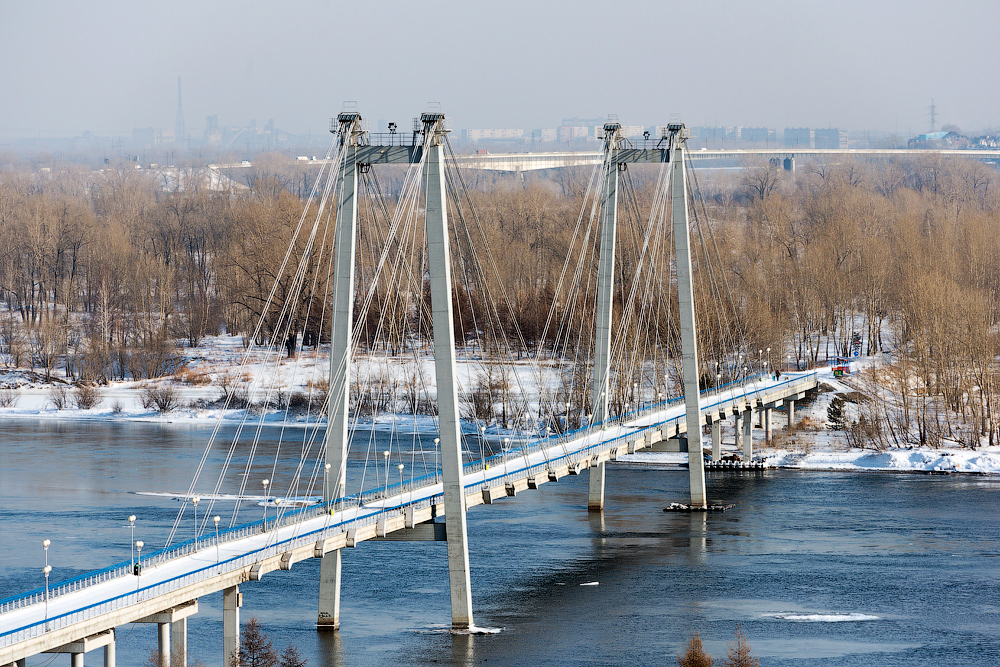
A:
(685, 298)
(350, 134)
(442, 317)
(605, 301)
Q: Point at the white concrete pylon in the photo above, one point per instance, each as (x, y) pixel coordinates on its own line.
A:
(439, 265)
(341, 330)
(605, 303)
(685, 298)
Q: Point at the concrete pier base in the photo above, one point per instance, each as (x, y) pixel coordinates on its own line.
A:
(748, 434)
(595, 494)
(791, 413)
(330, 569)
(716, 440)
(179, 641)
(232, 600)
(163, 643)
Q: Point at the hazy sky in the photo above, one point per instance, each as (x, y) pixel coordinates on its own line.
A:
(855, 64)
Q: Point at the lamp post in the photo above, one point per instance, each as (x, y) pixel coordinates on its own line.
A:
(327, 492)
(265, 483)
(45, 547)
(131, 541)
(482, 444)
(218, 557)
(195, 501)
(400, 466)
(437, 450)
(46, 570)
(138, 561)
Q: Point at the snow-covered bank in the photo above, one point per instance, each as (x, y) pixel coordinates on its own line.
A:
(900, 460)
(811, 445)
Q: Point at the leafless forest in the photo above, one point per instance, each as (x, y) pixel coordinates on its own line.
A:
(104, 274)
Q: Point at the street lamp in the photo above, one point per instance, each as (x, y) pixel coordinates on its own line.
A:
(138, 561)
(437, 449)
(265, 483)
(195, 501)
(46, 570)
(482, 443)
(327, 495)
(45, 547)
(400, 466)
(131, 541)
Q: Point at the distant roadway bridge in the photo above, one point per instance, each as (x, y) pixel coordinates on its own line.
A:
(520, 162)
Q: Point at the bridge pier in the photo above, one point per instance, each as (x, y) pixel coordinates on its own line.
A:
(179, 641)
(748, 434)
(595, 494)
(330, 569)
(791, 414)
(766, 418)
(716, 439)
(232, 600)
(80, 647)
(163, 643)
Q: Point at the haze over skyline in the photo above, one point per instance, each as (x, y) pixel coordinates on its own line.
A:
(112, 66)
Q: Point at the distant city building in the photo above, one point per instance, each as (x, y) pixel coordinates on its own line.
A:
(569, 133)
(755, 135)
(798, 137)
(476, 136)
(546, 134)
(830, 138)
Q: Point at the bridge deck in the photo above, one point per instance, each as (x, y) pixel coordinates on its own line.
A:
(188, 571)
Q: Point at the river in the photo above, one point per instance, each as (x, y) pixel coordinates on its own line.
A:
(818, 568)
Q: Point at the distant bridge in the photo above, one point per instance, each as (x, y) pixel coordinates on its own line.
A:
(521, 162)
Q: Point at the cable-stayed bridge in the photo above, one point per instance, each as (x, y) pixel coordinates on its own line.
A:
(620, 399)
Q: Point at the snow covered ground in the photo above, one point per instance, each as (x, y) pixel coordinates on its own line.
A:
(813, 446)
(816, 447)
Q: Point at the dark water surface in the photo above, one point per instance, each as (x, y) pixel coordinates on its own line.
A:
(914, 556)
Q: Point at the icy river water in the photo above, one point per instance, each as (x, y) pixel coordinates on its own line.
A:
(817, 568)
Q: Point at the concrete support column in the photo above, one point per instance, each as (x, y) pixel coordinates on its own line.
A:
(76, 659)
(179, 641)
(231, 601)
(330, 567)
(791, 413)
(442, 317)
(341, 332)
(595, 495)
(737, 427)
(685, 302)
(748, 434)
(716, 440)
(163, 643)
(605, 300)
(109, 653)
(767, 424)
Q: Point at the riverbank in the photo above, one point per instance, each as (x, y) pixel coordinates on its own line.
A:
(218, 366)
